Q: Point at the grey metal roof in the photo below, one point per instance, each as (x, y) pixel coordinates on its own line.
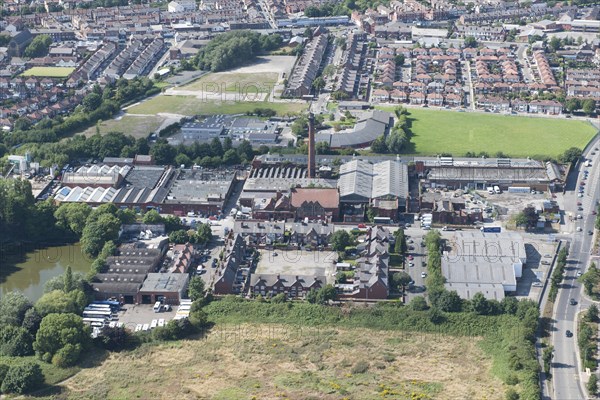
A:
(165, 282)
(491, 291)
(362, 179)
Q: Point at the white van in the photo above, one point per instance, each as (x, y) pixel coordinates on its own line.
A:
(497, 190)
(157, 307)
(490, 190)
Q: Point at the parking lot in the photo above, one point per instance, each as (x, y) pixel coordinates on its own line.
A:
(540, 251)
(297, 262)
(131, 315)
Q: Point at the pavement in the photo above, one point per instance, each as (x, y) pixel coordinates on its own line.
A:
(568, 377)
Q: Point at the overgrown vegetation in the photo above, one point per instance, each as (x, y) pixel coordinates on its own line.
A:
(557, 274)
(587, 342)
(508, 337)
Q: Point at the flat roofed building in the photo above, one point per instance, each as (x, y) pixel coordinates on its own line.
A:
(170, 287)
(480, 173)
(477, 258)
(491, 291)
(488, 244)
(199, 191)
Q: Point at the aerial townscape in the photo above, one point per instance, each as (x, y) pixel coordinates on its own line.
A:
(293, 199)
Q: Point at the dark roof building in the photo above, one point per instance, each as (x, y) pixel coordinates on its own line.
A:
(170, 287)
(363, 133)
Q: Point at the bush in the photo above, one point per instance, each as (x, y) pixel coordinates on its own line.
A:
(279, 298)
(114, 339)
(592, 385)
(58, 331)
(3, 372)
(22, 378)
(15, 341)
(511, 394)
(67, 356)
(360, 367)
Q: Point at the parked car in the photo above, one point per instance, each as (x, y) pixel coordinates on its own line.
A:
(537, 284)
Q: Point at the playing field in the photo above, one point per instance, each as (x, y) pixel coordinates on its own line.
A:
(438, 131)
(234, 82)
(188, 105)
(49, 72)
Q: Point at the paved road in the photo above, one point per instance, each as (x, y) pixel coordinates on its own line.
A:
(470, 80)
(566, 371)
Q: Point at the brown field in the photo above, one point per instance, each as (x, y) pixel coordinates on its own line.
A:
(277, 362)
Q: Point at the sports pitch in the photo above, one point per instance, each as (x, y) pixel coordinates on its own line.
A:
(440, 131)
(49, 72)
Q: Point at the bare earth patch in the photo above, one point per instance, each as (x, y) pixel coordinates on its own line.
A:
(277, 361)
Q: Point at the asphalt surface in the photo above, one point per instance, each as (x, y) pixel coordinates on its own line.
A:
(566, 369)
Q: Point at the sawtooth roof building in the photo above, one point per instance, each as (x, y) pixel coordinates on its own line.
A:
(361, 181)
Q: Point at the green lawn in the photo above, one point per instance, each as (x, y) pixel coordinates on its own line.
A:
(235, 82)
(439, 131)
(188, 105)
(49, 72)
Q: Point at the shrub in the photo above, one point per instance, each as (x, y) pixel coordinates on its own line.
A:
(511, 394)
(360, 367)
(15, 341)
(67, 356)
(22, 378)
(592, 385)
(3, 372)
(114, 339)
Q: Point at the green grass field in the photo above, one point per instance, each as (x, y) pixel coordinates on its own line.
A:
(438, 131)
(188, 105)
(49, 72)
(135, 125)
(235, 82)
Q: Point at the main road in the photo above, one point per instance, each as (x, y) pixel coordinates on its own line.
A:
(567, 370)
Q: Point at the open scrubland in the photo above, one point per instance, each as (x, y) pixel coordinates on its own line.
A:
(281, 361)
(268, 350)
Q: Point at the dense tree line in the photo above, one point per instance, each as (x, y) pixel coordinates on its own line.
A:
(234, 48)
